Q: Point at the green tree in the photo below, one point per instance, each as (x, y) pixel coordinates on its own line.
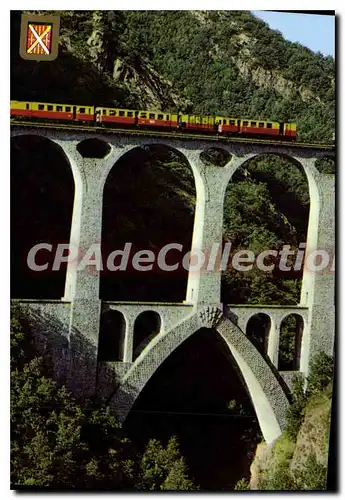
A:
(58, 443)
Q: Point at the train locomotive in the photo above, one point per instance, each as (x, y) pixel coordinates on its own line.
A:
(154, 120)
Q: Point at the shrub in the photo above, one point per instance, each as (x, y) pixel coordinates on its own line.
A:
(242, 484)
(295, 412)
(321, 373)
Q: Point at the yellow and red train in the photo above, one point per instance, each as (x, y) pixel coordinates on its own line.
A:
(155, 120)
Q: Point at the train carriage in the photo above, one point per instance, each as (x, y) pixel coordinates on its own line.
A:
(228, 125)
(197, 123)
(157, 119)
(221, 125)
(115, 116)
(52, 111)
(262, 128)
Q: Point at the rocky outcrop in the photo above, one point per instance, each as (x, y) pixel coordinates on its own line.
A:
(272, 79)
(300, 464)
(312, 439)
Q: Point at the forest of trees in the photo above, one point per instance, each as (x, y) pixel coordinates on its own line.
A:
(57, 443)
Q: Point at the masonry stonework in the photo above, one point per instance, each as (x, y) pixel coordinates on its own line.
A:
(69, 329)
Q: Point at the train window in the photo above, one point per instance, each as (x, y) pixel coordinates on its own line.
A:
(152, 116)
(50, 107)
(27, 105)
(104, 111)
(121, 113)
(160, 117)
(41, 107)
(245, 124)
(82, 110)
(143, 115)
(232, 122)
(224, 122)
(253, 124)
(269, 125)
(129, 114)
(59, 108)
(68, 109)
(168, 117)
(261, 124)
(112, 112)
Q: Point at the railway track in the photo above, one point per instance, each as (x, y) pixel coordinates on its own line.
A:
(176, 135)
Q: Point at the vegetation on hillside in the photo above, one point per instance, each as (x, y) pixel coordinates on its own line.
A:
(298, 460)
(58, 443)
(226, 62)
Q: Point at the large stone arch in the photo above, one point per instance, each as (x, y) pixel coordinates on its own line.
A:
(132, 194)
(56, 180)
(307, 168)
(268, 397)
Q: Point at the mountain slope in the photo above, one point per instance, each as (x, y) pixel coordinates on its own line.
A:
(211, 62)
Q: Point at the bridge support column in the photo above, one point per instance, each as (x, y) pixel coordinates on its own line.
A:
(211, 182)
(318, 285)
(273, 342)
(128, 343)
(82, 281)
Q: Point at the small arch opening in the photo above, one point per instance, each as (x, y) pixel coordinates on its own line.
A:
(258, 328)
(290, 342)
(112, 336)
(93, 148)
(146, 327)
(217, 157)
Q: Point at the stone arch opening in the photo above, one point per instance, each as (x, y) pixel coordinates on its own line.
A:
(257, 330)
(147, 325)
(42, 194)
(148, 204)
(198, 395)
(266, 207)
(215, 156)
(290, 342)
(112, 336)
(93, 148)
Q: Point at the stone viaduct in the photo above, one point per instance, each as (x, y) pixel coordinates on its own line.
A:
(70, 328)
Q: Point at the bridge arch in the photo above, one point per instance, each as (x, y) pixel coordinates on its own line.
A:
(292, 329)
(93, 148)
(45, 182)
(263, 237)
(136, 212)
(269, 401)
(112, 336)
(147, 325)
(257, 330)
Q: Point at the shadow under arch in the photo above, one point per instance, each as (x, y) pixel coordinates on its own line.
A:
(290, 342)
(146, 326)
(268, 397)
(148, 203)
(267, 205)
(42, 196)
(111, 336)
(257, 330)
(198, 395)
